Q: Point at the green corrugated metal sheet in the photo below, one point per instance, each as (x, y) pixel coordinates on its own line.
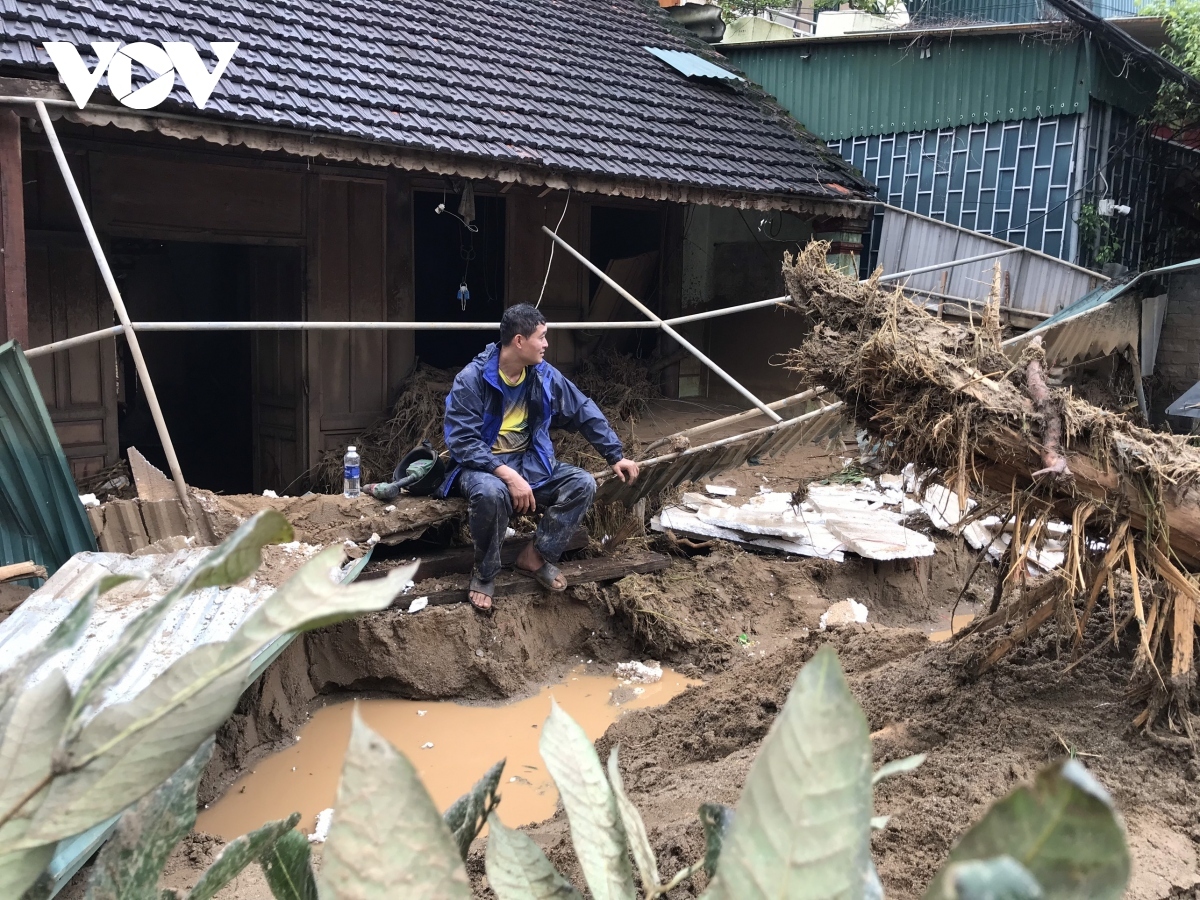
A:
(933, 11)
(41, 517)
(851, 88)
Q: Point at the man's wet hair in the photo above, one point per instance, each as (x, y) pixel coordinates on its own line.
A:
(521, 319)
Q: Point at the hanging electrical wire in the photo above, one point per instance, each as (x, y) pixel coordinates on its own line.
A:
(550, 261)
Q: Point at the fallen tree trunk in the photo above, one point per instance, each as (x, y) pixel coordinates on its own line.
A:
(942, 394)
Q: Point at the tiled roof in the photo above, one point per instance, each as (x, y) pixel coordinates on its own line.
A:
(560, 85)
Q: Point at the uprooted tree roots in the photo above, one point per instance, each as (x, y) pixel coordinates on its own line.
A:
(943, 394)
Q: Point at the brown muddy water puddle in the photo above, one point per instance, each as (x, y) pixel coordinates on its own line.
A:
(466, 741)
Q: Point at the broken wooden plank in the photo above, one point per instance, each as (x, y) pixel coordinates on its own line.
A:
(15, 571)
(459, 560)
(584, 571)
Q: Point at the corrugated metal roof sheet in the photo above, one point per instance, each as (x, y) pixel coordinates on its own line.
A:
(1037, 282)
(41, 517)
(841, 89)
(1099, 323)
(693, 66)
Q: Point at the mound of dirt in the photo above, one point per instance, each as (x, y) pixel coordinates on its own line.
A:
(331, 518)
(983, 738)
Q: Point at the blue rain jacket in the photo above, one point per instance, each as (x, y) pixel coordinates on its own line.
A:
(474, 409)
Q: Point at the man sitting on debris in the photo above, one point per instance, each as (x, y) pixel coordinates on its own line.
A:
(498, 417)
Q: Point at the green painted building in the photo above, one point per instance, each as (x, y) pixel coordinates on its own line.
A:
(1014, 130)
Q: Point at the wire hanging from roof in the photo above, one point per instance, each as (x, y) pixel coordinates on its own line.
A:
(550, 261)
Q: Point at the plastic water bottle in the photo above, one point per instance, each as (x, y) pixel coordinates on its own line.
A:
(351, 472)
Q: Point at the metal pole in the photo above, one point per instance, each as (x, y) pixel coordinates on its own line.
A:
(726, 310)
(368, 326)
(948, 265)
(680, 339)
(68, 343)
(735, 418)
(113, 292)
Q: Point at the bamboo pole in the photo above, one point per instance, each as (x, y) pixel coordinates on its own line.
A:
(114, 293)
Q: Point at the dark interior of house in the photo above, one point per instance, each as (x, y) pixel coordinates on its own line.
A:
(447, 257)
(623, 233)
(201, 378)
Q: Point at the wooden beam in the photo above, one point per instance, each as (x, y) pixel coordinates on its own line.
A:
(21, 570)
(459, 560)
(14, 311)
(584, 571)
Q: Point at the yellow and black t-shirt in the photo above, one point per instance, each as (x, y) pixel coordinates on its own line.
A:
(514, 425)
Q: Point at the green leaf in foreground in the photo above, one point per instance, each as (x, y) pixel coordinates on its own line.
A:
(288, 868)
(238, 854)
(803, 823)
(635, 828)
(38, 716)
(130, 863)
(387, 839)
(1002, 878)
(466, 815)
(131, 747)
(19, 870)
(517, 869)
(1063, 829)
(236, 558)
(715, 819)
(596, 831)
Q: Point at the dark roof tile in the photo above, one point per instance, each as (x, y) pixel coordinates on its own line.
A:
(562, 85)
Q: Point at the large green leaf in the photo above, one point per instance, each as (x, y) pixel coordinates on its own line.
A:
(596, 831)
(19, 870)
(238, 854)
(131, 862)
(1063, 829)
(715, 819)
(288, 868)
(235, 559)
(803, 823)
(127, 747)
(1002, 878)
(38, 716)
(64, 636)
(131, 747)
(635, 828)
(310, 600)
(517, 869)
(387, 839)
(466, 816)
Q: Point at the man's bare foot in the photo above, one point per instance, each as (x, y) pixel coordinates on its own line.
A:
(480, 593)
(531, 561)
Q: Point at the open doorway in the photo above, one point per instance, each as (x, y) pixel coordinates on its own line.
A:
(232, 399)
(447, 256)
(626, 244)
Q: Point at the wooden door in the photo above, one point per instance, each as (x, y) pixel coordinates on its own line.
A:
(274, 279)
(79, 386)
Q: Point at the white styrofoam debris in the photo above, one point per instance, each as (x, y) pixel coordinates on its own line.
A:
(891, 481)
(844, 612)
(720, 490)
(869, 534)
(693, 501)
(389, 508)
(270, 493)
(324, 821)
(639, 673)
(373, 539)
(687, 524)
(943, 507)
(419, 604)
(1057, 529)
(349, 544)
(428, 745)
(88, 500)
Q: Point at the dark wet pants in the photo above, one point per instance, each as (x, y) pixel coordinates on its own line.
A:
(564, 500)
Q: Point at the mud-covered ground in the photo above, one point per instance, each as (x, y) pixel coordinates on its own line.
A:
(746, 623)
